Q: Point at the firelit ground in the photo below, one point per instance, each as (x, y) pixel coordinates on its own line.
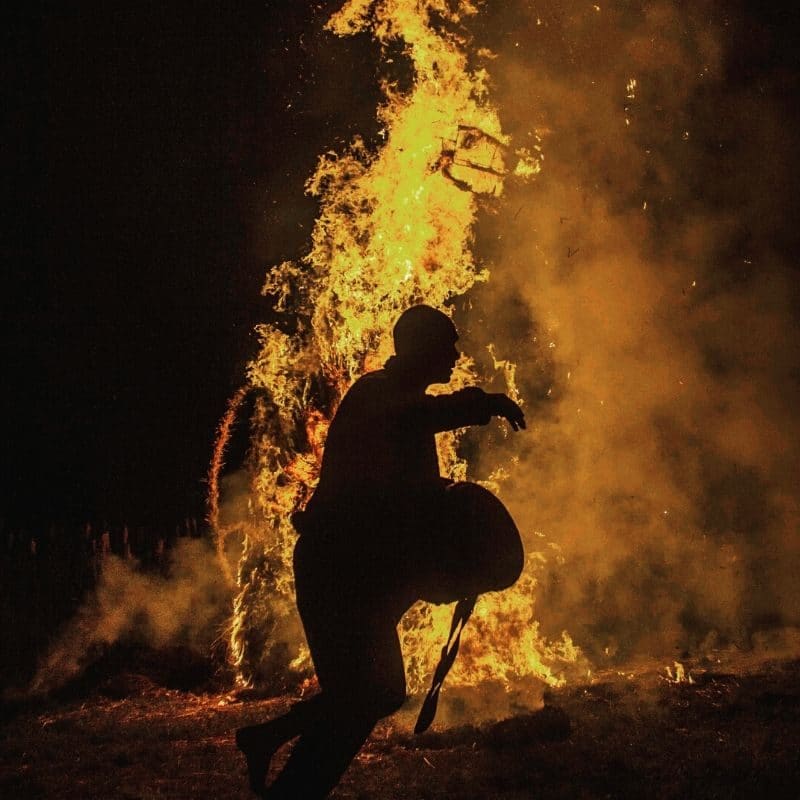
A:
(625, 735)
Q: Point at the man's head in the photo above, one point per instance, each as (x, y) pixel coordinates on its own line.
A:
(425, 339)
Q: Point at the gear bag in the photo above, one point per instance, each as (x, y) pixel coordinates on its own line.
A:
(477, 549)
(473, 547)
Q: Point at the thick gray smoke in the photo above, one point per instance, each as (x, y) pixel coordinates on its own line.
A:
(640, 285)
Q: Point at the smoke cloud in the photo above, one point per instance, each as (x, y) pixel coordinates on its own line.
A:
(188, 607)
(642, 286)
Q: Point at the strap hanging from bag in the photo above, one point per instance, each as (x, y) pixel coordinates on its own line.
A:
(461, 614)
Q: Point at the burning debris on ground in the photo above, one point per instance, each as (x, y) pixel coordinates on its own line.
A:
(732, 734)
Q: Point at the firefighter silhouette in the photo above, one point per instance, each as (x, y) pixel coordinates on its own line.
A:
(382, 530)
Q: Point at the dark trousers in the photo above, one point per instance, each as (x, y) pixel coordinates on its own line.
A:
(350, 620)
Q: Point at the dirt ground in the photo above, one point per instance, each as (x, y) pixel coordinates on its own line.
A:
(624, 735)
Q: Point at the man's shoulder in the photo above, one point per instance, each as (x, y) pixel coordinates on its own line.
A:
(369, 382)
(369, 389)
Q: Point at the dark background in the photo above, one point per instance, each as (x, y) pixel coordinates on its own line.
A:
(154, 158)
(151, 148)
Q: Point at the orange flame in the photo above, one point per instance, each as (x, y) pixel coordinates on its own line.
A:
(395, 228)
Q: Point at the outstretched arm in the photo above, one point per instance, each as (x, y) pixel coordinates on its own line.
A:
(504, 406)
(463, 408)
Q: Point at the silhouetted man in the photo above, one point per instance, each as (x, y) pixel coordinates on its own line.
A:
(373, 540)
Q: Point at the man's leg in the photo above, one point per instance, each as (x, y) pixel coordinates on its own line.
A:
(360, 669)
(321, 756)
(259, 743)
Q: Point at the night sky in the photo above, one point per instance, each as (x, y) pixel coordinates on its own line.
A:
(154, 166)
(149, 143)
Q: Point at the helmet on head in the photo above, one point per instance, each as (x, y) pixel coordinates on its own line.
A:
(420, 328)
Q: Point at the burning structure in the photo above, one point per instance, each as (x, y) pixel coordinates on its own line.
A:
(661, 481)
(395, 228)
(642, 302)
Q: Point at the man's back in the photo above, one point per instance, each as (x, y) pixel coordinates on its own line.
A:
(381, 445)
(372, 449)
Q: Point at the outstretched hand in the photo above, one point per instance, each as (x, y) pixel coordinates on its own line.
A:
(505, 407)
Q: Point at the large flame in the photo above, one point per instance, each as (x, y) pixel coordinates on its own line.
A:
(395, 228)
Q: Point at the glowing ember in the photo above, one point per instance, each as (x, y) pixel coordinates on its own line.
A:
(681, 674)
(395, 228)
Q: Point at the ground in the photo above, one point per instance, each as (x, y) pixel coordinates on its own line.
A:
(621, 735)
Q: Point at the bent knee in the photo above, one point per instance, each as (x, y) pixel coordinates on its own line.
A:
(395, 701)
(385, 701)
